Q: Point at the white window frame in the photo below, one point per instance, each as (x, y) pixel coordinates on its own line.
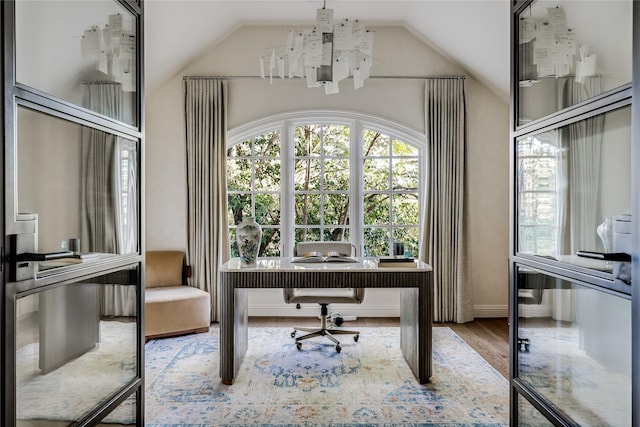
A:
(285, 124)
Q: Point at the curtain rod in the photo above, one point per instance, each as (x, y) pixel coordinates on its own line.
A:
(443, 77)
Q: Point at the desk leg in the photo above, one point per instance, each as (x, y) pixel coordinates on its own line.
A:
(233, 330)
(416, 321)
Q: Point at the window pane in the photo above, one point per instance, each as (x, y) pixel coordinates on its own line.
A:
(376, 242)
(336, 234)
(409, 236)
(307, 209)
(405, 174)
(336, 175)
(267, 176)
(268, 209)
(307, 140)
(376, 209)
(376, 174)
(336, 141)
(239, 206)
(405, 209)
(400, 148)
(307, 174)
(336, 209)
(239, 174)
(267, 145)
(375, 144)
(307, 234)
(270, 246)
(242, 149)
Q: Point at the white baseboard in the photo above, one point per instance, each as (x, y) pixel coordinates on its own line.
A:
(490, 311)
(311, 310)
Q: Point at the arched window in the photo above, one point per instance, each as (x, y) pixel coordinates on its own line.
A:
(319, 177)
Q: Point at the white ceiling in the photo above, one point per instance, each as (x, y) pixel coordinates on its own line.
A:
(472, 33)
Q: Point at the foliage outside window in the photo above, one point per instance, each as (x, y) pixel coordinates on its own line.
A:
(326, 184)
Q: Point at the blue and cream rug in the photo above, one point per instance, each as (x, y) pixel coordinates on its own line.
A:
(368, 384)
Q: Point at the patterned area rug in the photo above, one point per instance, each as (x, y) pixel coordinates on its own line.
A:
(368, 384)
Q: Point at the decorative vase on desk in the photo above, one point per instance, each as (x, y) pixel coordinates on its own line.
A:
(248, 237)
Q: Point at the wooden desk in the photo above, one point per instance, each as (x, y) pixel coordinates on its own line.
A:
(416, 302)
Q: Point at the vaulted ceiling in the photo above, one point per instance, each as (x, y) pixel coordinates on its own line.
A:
(472, 33)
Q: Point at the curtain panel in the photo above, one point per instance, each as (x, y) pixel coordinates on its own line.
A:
(205, 109)
(101, 193)
(444, 233)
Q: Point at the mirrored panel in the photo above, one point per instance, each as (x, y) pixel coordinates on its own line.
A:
(76, 347)
(571, 51)
(573, 187)
(81, 52)
(81, 183)
(574, 348)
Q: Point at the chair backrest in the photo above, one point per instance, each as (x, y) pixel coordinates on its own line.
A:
(346, 248)
(164, 268)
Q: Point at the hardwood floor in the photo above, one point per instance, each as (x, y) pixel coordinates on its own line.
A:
(488, 337)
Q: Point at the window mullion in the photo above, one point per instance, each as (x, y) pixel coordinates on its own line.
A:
(287, 205)
(355, 189)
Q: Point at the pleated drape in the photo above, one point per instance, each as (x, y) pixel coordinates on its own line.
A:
(444, 237)
(582, 146)
(205, 102)
(103, 219)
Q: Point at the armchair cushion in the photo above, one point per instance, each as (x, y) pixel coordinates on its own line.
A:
(171, 307)
(164, 268)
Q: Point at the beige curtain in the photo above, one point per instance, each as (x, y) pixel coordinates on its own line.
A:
(444, 237)
(103, 228)
(205, 101)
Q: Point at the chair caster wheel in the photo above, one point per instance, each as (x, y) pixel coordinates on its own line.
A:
(338, 348)
(299, 345)
(356, 337)
(293, 334)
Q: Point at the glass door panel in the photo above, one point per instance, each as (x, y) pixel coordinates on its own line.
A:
(571, 51)
(73, 50)
(79, 182)
(574, 189)
(75, 348)
(574, 348)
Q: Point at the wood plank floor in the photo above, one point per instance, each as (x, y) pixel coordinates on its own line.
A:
(488, 337)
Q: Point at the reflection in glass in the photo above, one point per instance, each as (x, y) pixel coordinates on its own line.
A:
(82, 52)
(85, 170)
(569, 180)
(571, 51)
(574, 348)
(529, 416)
(69, 358)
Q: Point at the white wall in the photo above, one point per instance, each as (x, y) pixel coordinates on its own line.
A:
(396, 52)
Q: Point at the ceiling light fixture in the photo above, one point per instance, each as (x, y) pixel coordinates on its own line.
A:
(324, 55)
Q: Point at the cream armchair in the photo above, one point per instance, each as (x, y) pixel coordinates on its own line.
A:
(172, 307)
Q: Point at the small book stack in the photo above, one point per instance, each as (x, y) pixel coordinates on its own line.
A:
(396, 262)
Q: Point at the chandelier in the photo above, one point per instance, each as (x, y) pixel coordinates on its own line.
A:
(326, 54)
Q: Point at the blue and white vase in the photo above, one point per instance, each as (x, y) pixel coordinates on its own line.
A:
(248, 237)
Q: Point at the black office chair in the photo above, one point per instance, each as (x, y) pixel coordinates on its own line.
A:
(324, 296)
